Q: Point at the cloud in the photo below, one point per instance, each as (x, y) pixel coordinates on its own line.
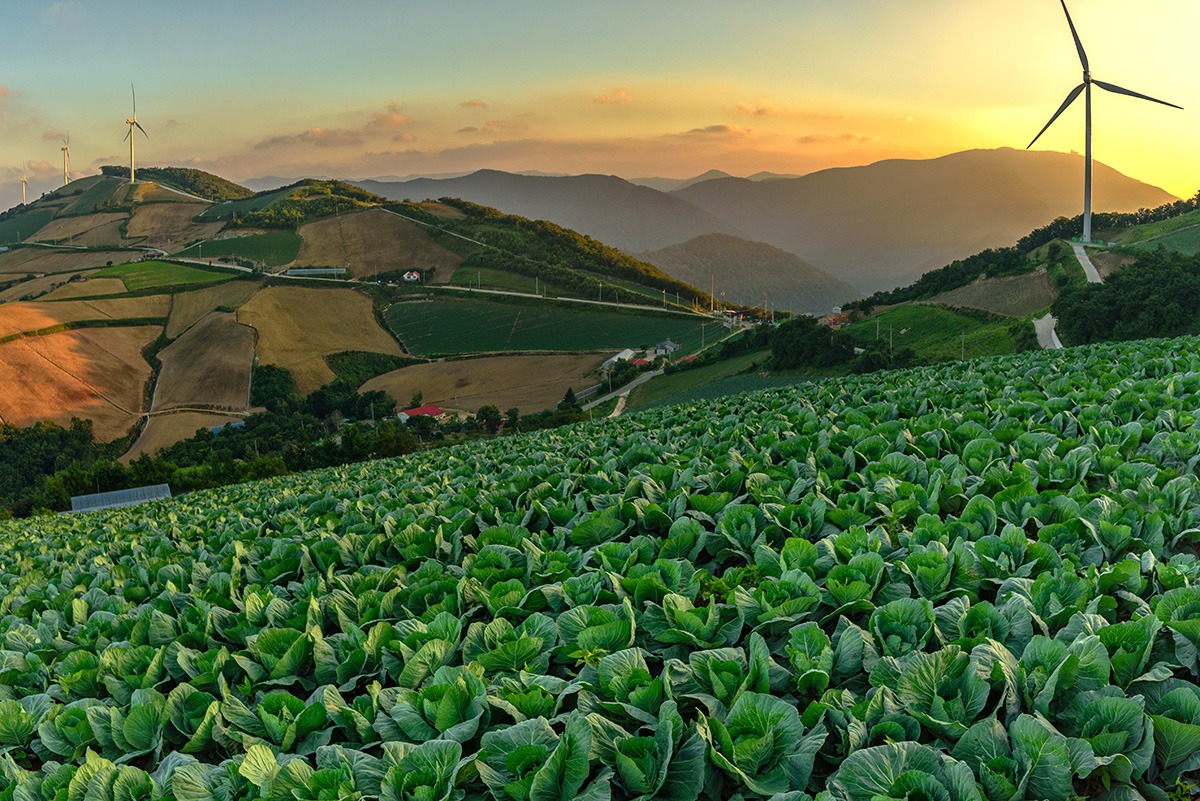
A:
(106, 160)
(318, 137)
(497, 127)
(53, 136)
(391, 118)
(473, 103)
(617, 96)
(817, 139)
(172, 123)
(41, 167)
(714, 131)
(404, 137)
(765, 108)
(4, 91)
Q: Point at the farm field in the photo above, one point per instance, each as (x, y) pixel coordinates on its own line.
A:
(225, 211)
(164, 430)
(480, 326)
(188, 307)
(24, 261)
(87, 288)
(154, 274)
(41, 288)
(970, 582)
(19, 229)
(934, 333)
(512, 282)
(65, 229)
(273, 249)
(373, 241)
(1186, 241)
(671, 384)
(93, 373)
(1108, 262)
(27, 317)
(530, 383)
(169, 226)
(1010, 295)
(207, 366)
(298, 326)
(92, 192)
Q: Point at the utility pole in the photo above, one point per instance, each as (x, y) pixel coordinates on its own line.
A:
(664, 298)
(712, 293)
(601, 295)
(964, 346)
(536, 291)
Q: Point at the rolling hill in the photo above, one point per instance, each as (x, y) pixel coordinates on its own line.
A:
(752, 273)
(883, 225)
(615, 211)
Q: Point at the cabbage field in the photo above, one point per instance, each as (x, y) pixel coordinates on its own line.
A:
(976, 581)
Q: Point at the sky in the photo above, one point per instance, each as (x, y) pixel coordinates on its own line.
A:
(366, 88)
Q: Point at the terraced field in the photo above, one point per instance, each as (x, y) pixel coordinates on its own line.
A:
(154, 274)
(373, 241)
(209, 366)
(966, 583)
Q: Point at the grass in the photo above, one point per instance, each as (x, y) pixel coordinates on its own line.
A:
(225, 211)
(21, 227)
(1141, 233)
(480, 326)
(273, 249)
(1186, 241)
(100, 190)
(154, 274)
(936, 334)
(672, 384)
(358, 366)
(500, 279)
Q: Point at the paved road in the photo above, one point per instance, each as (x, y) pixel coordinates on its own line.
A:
(1093, 275)
(625, 390)
(1047, 336)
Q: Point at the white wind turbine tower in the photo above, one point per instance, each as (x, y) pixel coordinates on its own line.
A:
(1086, 88)
(23, 182)
(133, 123)
(66, 151)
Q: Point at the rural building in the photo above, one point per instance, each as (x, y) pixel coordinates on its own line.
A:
(640, 362)
(428, 410)
(611, 362)
(235, 425)
(666, 348)
(412, 276)
(837, 320)
(301, 271)
(127, 497)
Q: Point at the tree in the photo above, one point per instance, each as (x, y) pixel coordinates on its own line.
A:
(512, 419)
(416, 399)
(489, 417)
(568, 402)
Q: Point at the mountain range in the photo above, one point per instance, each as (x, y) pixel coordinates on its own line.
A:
(873, 227)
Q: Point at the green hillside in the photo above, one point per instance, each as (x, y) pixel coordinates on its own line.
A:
(944, 583)
(197, 182)
(273, 249)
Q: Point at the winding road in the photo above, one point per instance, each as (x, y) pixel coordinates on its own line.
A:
(1045, 326)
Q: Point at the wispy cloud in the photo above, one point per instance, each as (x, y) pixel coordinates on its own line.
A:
(53, 136)
(766, 108)
(816, 139)
(714, 131)
(617, 96)
(473, 103)
(318, 137)
(497, 127)
(41, 167)
(407, 136)
(5, 91)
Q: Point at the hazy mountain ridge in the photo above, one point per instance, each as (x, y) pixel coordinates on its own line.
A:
(605, 207)
(752, 273)
(884, 224)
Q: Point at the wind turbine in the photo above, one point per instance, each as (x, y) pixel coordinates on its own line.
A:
(133, 123)
(23, 182)
(66, 151)
(1086, 88)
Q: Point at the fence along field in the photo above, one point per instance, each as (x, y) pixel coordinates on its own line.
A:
(478, 326)
(945, 583)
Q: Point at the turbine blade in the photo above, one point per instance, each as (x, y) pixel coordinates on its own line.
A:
(127, 133)
(1118, 90)
(140, 128)
(1078, 44)
(1070, 99)
(134, 93)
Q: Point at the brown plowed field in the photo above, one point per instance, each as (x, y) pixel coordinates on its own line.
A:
(87, 289)
(169, 225)
(66, 228)
(188, 307)
(373, 241)
(530, 383)
(26, 317)
(1106, 262)
(43, 284)
(164, 430)
(1014, 295)
(298, 326)
(95, 373)
(46, 260)
(207, 366)
(442, 210)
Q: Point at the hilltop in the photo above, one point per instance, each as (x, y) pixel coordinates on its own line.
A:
(753, 273)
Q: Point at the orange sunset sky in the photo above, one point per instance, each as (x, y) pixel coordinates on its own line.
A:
(366, 89)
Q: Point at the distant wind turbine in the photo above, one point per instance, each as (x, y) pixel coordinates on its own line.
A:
(23, 182)
(133, 123)
(66, 151)
(1086, 88)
